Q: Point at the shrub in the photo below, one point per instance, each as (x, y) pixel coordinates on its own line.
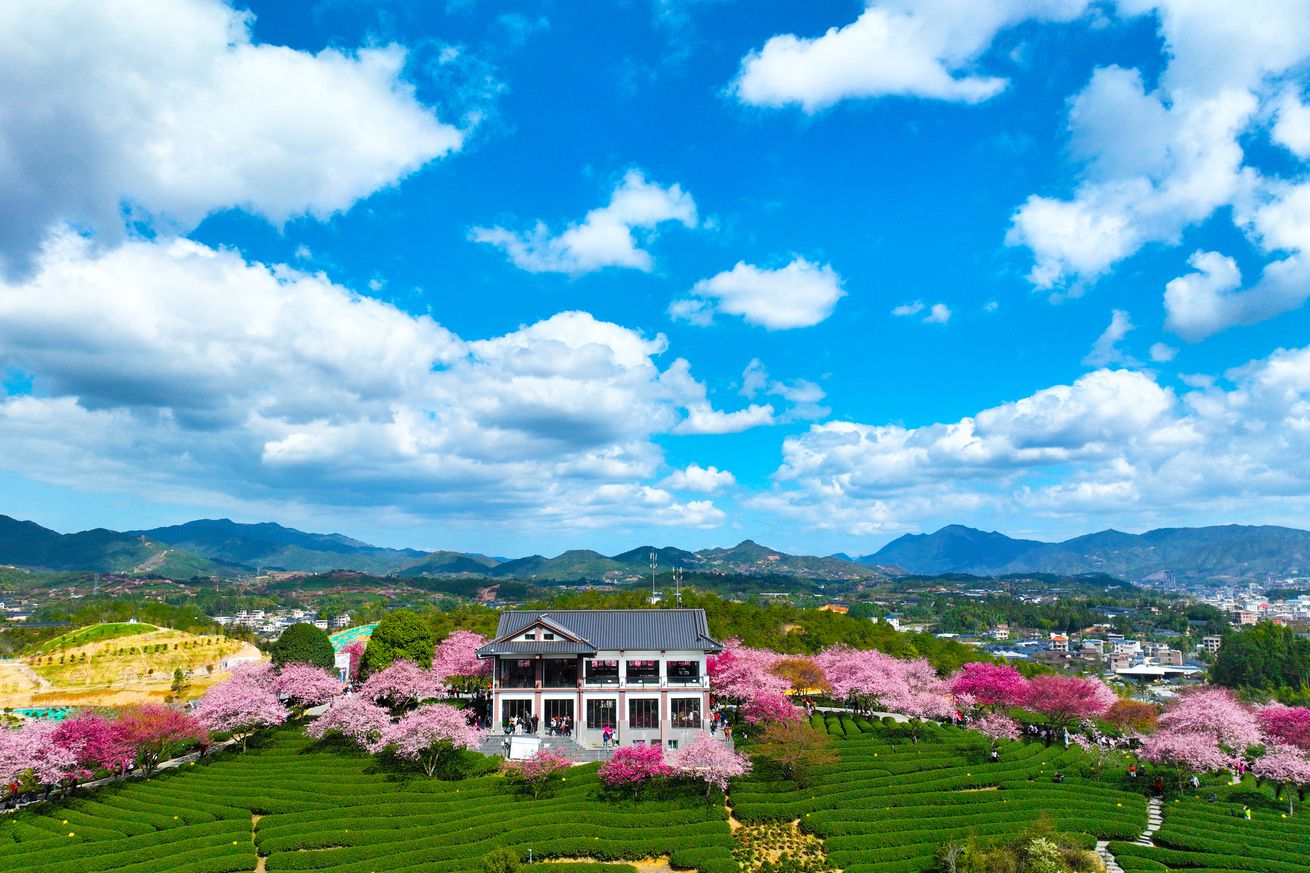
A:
(502, 860)
(303, 644)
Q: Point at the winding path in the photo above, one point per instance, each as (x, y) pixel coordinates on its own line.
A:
(1154, 818)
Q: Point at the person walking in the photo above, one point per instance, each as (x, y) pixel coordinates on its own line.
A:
(536, 721)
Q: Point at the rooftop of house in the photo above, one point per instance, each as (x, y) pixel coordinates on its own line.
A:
(587, 631)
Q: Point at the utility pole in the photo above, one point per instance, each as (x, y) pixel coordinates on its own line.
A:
(654, 562)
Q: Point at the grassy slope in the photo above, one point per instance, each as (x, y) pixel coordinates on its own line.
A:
(92, 633)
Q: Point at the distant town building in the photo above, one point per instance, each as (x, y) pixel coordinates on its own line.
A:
(1001, 632)
(1059, 643)
(1248, 617)
(1211, 644)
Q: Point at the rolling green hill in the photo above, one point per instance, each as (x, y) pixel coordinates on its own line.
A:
(27, 544)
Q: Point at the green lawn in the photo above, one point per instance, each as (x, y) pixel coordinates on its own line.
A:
(91, 634)
(336, 810)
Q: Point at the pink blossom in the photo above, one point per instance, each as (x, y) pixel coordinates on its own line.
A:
(710, 761)
(240, 707)
(771, 707)
(95, 742)
(1216, 714)
(359, 720)
(401, 684)
(258, 673)
(1065, 699)
(1192, 751)
(998, 726)
(536, 772)
(430, 734)
(859, 673)
(304, 685)
(634, 766)
(1283, 763)
(455, 657)
(31, 754)
(742, 674)
(918, 691)
(990, 684)
(153, 729)
(1286, 724)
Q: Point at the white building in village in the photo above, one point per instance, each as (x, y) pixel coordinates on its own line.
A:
(640, 672)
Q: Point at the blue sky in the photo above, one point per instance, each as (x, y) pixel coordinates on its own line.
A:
(516, 278)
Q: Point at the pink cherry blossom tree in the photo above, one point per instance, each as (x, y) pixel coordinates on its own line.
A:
(154, 729)
(740, 673)
(400, 685)
(997, 726)
(770, 708)
(456, 658)
(304, 686)
(919, 693)
(709, 761)
(989, 685)
(1287, 766)
(632, 768)
(95, 742)
(29, 755)
(361, 721)
(258, 673)
(240, 707)
(1286, 724)
(1063, 700)
(431, 735)
(536, 774)
(1214, 713)
(865, 677)
(1188, 751)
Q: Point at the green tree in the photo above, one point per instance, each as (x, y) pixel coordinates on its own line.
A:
(400, 634)
(303, 644)
(1263, 657)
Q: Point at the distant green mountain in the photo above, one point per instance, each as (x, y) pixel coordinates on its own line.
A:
(28, 544)
(270, 546)
(449, 562)
(1228, 552)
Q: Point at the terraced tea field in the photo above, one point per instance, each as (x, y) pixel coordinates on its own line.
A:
(303, 807)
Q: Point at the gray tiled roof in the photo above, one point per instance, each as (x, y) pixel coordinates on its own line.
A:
(661, 629)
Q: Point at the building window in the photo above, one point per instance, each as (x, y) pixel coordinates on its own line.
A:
(512, 709)
(602, 672)
(547, 635)
(684, 672)
(602, 713)
(643, 672)
(561, 673)
(517, 673)
(644, 714)
(672, 744)
(684, 712)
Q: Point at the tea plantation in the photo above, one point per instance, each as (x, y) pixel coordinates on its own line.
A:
(305, 807)
(890, 804)
(886, 807)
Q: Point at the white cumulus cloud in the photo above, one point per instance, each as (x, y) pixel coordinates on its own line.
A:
(801, 294)
(155, 106)
(604, 238)
(1105, 351)
(174, 369)
(703, 480)
(911, 48)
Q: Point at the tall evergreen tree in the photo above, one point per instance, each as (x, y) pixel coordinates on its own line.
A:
(303, 644)
(400, 634)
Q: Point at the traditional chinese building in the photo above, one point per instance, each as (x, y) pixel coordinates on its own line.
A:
(640, 672)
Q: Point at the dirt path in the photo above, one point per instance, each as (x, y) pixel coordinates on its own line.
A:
(260, 860)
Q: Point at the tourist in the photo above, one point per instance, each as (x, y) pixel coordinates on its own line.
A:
(1158, 785)
(1132, 771)
(995, 756)
(1196, 782)
(1059, 777)
(536, 720)
(1246, 812)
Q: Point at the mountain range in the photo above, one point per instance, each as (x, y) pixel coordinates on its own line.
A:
(1227, 552)
(221, 547)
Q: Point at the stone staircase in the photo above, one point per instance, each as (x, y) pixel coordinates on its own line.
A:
(493, 744)
(1154, 818)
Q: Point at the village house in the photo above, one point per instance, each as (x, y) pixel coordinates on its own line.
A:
(640, 672)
